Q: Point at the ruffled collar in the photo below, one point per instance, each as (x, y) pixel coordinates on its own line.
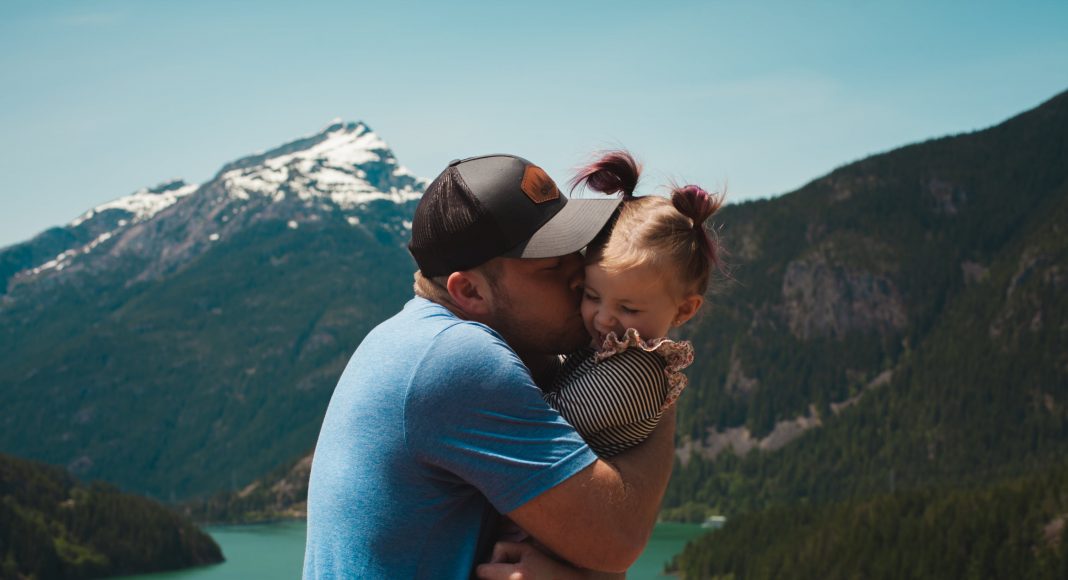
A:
(677, 355)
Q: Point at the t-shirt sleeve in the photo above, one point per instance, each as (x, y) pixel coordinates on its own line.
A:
(473, 411)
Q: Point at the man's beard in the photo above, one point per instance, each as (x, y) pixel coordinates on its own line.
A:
(531, 336)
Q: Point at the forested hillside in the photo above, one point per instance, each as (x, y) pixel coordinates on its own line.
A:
(898, 323)
(1011, 530)
(281, 494)
(53, 527)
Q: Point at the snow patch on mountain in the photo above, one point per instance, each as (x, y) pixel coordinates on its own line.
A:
(143, 203)
(61, 261)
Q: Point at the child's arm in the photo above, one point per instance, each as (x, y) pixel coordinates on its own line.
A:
(615, 403)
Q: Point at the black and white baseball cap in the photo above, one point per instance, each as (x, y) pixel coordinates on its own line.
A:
(483, 207)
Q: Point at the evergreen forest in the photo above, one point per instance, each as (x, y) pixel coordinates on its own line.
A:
(53, 527)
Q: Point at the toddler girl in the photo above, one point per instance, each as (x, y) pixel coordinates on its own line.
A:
(645, 274)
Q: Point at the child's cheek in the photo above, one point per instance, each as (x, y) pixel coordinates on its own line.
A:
(588, 310)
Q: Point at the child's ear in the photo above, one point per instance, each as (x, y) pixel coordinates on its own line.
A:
(687, 308)
(468, 290)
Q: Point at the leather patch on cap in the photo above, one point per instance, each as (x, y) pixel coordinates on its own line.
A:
(538, 186)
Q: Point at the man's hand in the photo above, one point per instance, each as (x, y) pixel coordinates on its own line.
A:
(523, 561)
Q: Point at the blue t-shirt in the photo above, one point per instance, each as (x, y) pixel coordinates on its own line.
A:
(434, 420)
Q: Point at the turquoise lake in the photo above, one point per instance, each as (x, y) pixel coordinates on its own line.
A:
(276, 552)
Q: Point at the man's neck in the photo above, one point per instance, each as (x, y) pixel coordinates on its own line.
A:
(434, 292)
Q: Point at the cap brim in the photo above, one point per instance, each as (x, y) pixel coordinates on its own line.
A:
(570, 230)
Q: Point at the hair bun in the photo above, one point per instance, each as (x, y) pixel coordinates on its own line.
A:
(695, 203)
(615, 172)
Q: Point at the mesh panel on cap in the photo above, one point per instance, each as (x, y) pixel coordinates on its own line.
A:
(448, 210)
(449, 230)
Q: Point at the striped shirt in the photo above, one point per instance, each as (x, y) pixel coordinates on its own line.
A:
(614, 397)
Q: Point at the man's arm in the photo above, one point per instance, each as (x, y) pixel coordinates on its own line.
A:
(601, 517)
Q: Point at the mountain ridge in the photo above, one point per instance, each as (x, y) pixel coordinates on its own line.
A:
(958, 223)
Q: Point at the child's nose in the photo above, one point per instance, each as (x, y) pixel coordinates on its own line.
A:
(605, 319)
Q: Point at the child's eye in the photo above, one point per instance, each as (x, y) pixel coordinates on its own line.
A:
(628, 310)
(589, 296)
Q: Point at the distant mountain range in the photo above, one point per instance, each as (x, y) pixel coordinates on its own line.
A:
(896, 323)
(186, 338)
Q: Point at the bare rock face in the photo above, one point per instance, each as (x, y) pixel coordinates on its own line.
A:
(822, 298)
(945, 198)
(1040, 275)
(745, 242)
(974, 273)
(842, 187)
(740, 441)
(738, 384)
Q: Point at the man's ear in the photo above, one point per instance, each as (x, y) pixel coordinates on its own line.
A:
(469, 291)
(687, 308)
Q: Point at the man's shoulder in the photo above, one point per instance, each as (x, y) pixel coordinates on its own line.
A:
(423, 320)
(447, 344)
(471, 349)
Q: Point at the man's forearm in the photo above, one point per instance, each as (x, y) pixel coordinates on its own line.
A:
(645, 470)
(601, 518)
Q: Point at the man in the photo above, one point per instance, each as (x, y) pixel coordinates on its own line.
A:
(437, 420)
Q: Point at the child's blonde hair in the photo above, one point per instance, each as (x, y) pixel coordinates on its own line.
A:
(653, 230)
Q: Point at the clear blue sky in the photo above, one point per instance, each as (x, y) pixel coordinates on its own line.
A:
(100, 98)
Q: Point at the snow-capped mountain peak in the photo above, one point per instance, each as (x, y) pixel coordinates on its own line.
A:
(345, 173)
(346, 162)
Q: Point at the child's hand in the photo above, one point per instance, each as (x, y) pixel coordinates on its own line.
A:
(510, 531)
(524, 561)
